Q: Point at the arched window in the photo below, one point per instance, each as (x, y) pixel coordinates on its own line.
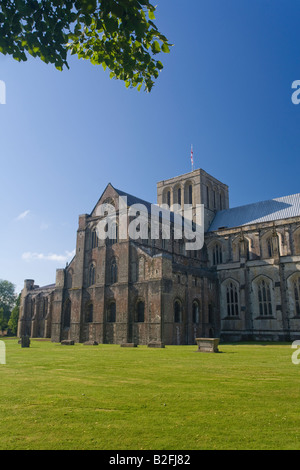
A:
(217, 255)
(134, 272)
(90, 313)
(94, 238)
(113, 272)
(141, 268)
(92, 274)
(232, 300)
(140, 311)
(296, 292)
(296, 241)
(177, 311)
(264, 298)
(269, 247)
(111, 312)
(179, 196)
(239, 247)
(207, 196)
(190, 194)
(169, 198)
(112, 237)
(196, 311)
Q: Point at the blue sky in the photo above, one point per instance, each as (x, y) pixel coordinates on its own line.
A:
(225, 88)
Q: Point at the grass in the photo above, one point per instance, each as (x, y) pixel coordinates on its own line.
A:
(108, 397)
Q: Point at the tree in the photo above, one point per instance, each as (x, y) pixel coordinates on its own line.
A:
(3, 320)
(14, 317)
(7, 295)
(7, 302)
(119, 34)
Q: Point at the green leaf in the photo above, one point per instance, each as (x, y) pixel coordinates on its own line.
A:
(165, 48)
(155, 47)
(151, 15)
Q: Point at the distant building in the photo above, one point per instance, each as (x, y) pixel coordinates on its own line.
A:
(244, 284)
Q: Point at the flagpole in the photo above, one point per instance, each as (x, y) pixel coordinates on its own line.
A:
(192, 157)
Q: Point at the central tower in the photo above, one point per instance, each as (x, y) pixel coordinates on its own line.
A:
(196, 187)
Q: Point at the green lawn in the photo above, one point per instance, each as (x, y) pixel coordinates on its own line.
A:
(108, 397)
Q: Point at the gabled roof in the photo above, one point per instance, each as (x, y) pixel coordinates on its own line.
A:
(265, 211)
(130, 199)
(133, 199)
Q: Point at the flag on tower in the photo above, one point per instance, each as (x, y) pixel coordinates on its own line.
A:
(192, 158)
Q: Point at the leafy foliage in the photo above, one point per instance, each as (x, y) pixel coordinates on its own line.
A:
(7, 302)
(14, 317)
(119, 34)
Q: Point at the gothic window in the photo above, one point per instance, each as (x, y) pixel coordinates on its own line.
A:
(196, 311)
(112, 233)
(134, 272)
(179, 196)
(217, 255)
(296, 292)
(92, 274)
(232, 300)
(140, 311)
(264, 298)
(296, 240)
(190, 194)
(236, 251)
(89, 313)
(111, 312)
(113, 272)
(169, 198)
(94, 238)
(237, 246)
(177, 311)
(141, 268)
(269, 246)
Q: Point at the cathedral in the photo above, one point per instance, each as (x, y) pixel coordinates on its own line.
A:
(242, 285)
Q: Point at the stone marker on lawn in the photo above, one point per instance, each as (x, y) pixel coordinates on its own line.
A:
(208, 344)
(25, 341)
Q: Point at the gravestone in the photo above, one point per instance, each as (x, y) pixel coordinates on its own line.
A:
(156, 344)
(25, 341)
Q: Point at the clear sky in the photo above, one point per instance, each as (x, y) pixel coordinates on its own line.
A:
(225, 88)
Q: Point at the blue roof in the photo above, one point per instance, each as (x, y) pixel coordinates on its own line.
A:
(265, 211)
